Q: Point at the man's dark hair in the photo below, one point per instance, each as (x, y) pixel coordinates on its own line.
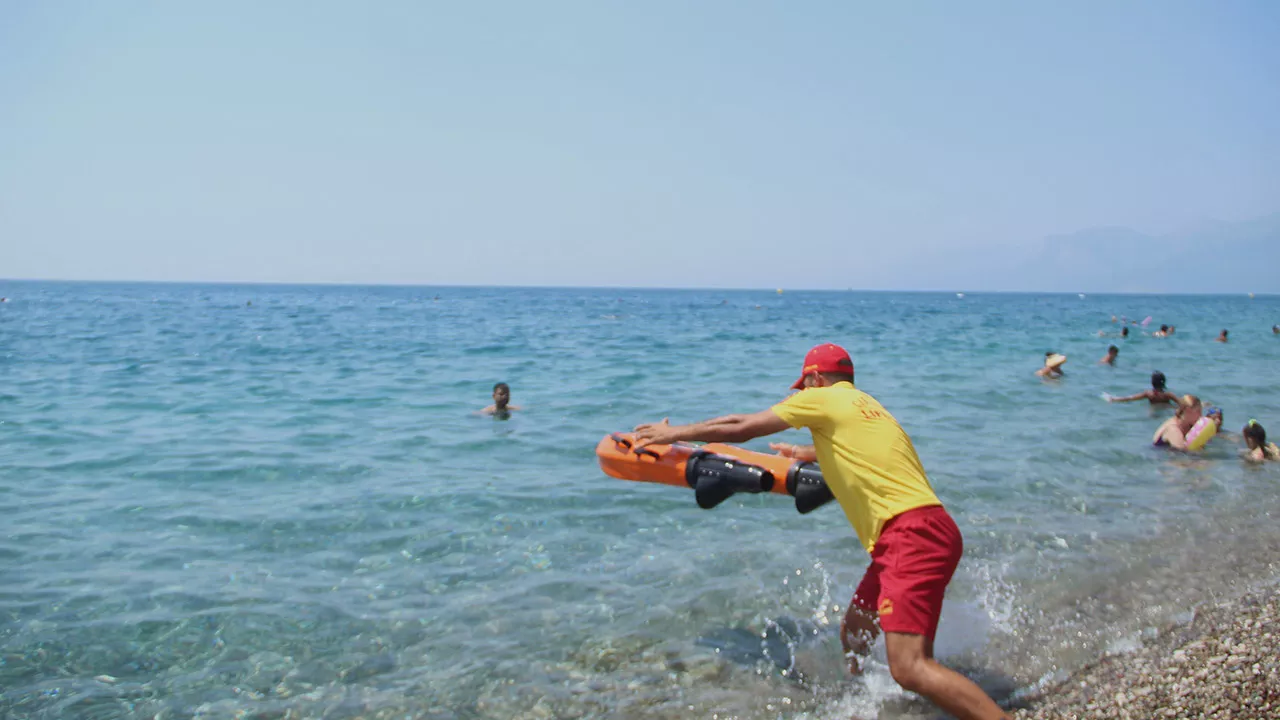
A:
(835, 377)
(1113, 349)
(502, 386)
(1157, 380)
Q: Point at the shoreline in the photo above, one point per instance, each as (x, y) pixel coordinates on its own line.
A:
(1224, 663)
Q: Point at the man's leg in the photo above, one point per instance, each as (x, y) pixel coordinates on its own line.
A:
(858, 630)
(948, 689)
(861, 623)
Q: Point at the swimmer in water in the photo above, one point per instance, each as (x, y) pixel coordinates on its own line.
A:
(501, 406)
(1255, 439)
(1172, 433)
(1110, 357)
(1124, 333)
(1222, 337)
(1157, 395)
(1053, 363)
(1275, 329)
(1215, 414)
(1162, 332)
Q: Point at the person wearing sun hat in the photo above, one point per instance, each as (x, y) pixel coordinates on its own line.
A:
(872, 468)
(1053, 363)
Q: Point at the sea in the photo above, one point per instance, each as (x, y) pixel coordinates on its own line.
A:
(256, 501)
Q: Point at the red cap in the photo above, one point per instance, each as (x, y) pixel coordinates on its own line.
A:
(823, 359)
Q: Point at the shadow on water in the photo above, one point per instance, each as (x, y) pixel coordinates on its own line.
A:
(774, 646)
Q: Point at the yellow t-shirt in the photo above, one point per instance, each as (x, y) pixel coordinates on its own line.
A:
(866, 457)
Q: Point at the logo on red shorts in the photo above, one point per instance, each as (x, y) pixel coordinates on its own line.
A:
(886, 607)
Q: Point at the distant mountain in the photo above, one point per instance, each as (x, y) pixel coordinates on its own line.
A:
(1212, 257)
(1089, 261)
(1208, 257)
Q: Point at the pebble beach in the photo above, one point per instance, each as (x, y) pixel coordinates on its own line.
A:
(1225, 663)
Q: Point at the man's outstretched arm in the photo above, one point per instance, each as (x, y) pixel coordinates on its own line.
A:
(729, 428)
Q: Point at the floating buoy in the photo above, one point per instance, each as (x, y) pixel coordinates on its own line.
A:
(779, 291)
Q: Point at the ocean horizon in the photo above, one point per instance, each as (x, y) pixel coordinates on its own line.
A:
(681, 288)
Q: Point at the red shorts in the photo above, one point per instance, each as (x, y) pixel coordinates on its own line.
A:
(912, 562)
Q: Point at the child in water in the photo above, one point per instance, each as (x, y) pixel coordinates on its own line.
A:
(1255, 439)
(1215, 414)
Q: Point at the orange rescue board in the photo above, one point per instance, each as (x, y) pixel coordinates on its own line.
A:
(715, 471)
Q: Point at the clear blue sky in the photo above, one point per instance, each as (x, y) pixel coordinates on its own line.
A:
(739, 144)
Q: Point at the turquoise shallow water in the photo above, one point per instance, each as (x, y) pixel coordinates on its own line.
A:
(289, 508)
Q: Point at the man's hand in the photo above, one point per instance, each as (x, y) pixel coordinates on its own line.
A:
(659, 433)
(786, 450)
(804, 453)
